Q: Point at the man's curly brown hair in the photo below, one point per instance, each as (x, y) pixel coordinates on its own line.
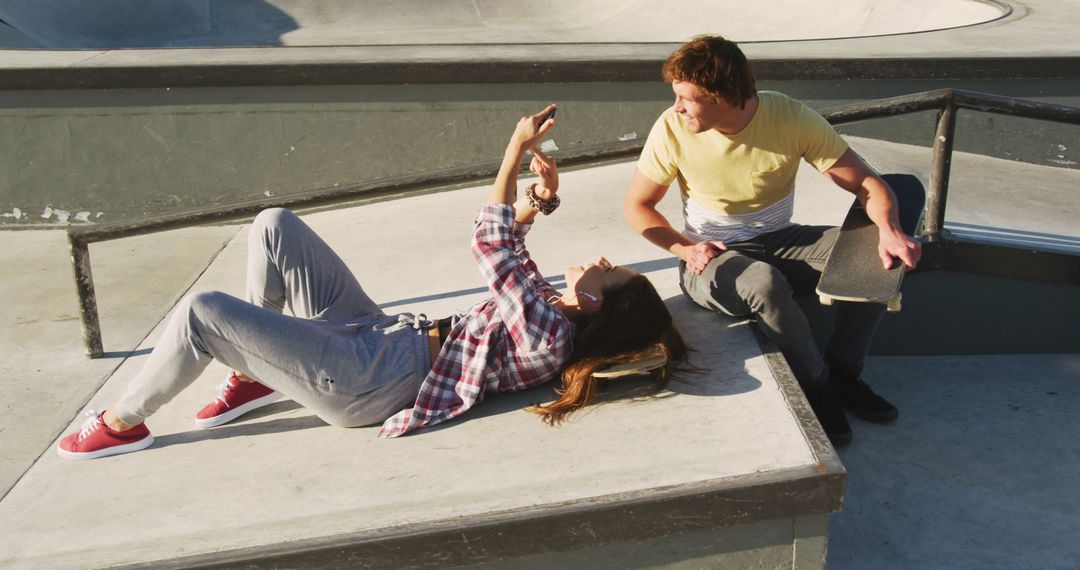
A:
(717, 66)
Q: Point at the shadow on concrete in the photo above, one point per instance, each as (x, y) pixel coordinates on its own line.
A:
(628, 389)
(126, 353)
(700, 385)
(12, 39)
(497, 404)
(275, 408)
(67, 24)
(555, 280)
(980, 470)
(242, 429)
(434, 297)
(692, 381)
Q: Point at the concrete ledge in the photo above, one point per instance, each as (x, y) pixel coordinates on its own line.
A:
(502, 537)
(640, 517)
(731, 453)
(275, 67)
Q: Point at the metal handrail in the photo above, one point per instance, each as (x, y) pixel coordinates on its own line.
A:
(946, 101)
(80, 237)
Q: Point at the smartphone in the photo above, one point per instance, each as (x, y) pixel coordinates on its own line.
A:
(550, 115)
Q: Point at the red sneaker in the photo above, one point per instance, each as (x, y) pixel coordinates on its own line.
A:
(234, 399)
(95, 439)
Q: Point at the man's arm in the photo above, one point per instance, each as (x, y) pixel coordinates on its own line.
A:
(640, 212)
(853, 175)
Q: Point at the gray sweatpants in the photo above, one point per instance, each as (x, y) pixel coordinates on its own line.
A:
(758, 277)
(339, 356)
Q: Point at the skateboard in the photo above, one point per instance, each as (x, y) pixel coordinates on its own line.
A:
(654, 359)
(853, 271)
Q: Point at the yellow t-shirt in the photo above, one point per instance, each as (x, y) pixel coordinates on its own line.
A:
(747, 172)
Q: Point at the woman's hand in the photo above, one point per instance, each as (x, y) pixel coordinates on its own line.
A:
(530, 131)
(544, 167)
(526, 135)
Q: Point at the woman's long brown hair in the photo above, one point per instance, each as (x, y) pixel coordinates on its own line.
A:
(632, 320)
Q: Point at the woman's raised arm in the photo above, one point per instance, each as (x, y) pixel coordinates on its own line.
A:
(529, 131)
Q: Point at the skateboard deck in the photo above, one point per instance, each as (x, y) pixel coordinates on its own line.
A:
(654, 360)
(854, 271)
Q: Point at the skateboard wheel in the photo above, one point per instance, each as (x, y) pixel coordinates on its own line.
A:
(827, 301)
(893, 305)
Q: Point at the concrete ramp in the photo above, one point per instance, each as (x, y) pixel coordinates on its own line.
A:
(10, 38)
(111, 24)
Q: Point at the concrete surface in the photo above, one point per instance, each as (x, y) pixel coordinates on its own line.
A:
(110, 24)
(1003, 500)
(43, 322)
(1033, 28)
(318, 117)
(11, 39)
(270, 482)
(45, 375)
(980, 471)
(198, 148)
(1002, 200)
(798, 545)
(183, 148)
(270, 454)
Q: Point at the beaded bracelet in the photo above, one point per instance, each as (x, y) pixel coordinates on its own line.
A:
(545, 207)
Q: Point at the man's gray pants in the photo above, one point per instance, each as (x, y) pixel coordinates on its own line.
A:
(340, 356)
(759, 278)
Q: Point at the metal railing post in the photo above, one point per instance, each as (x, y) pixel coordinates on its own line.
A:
(84, 288)
(934, 220)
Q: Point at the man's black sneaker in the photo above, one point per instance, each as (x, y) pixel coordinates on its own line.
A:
(829, 413)
(860, 400)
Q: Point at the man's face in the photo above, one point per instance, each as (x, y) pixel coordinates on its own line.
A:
(700, 111)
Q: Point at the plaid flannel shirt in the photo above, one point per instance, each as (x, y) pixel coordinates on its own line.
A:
(512, 341)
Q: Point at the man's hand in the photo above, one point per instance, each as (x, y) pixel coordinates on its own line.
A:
(897, 245)
(852, 174)
(698, 256)
(544, 167)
